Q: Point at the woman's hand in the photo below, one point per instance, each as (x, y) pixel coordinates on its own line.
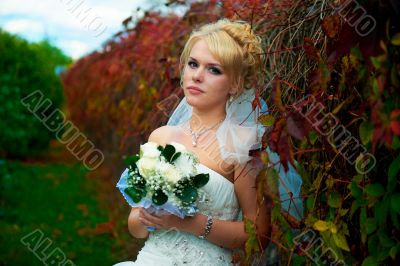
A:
(164, 221)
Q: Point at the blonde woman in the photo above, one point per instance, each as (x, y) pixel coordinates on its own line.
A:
(219, 65)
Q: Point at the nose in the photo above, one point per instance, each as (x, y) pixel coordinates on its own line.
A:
(198, 75)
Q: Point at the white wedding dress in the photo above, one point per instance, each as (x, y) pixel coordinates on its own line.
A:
(172, 247)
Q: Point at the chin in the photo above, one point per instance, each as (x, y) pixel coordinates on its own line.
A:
(191, 101)
(195, 103)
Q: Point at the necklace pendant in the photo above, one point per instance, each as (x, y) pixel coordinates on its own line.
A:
(194, 139)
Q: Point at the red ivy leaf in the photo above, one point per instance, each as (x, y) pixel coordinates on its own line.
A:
(276, 134)
(285, 151)
(280, 143)
(256, 102)
(264, 141)
(297, 126)
(113, 69)
(395, 121)
(310, 49)
(331, 25)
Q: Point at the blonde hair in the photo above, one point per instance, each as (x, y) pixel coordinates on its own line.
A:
(235, 46)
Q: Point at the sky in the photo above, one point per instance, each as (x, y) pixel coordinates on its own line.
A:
(77, 27)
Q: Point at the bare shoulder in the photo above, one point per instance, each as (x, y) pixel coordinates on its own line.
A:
(162, 134)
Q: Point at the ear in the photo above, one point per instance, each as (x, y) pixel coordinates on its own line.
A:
(233, 91)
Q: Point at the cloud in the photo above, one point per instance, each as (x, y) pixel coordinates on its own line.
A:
(57, 21)
(24, 26)
(74, 48)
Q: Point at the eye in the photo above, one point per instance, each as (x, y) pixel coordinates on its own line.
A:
(192, 64)
(215, 71)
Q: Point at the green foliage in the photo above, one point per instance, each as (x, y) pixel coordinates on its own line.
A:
(60, 201)
(25, 68)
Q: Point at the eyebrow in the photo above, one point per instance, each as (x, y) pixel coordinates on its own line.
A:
(210, 64)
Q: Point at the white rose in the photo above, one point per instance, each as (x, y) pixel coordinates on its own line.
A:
(149, 149)
(178, 147)
(169, 172)
(186, 165)
(147, 166)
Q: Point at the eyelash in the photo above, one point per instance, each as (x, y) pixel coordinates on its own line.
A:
(216, 70)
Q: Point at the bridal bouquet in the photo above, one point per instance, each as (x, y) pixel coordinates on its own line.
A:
(163, 179)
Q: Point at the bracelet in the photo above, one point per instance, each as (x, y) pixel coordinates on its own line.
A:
(207, 229)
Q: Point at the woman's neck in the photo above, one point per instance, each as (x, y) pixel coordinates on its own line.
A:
(202, 120)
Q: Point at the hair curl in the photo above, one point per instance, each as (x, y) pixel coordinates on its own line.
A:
(236, 46)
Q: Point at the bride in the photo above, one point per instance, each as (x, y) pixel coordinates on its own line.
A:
(219, 64)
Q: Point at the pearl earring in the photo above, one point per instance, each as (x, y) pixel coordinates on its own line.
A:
(231, 99)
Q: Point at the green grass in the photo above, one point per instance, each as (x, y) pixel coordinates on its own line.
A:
(60, 201)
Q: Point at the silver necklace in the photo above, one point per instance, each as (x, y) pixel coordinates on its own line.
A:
(195, 135)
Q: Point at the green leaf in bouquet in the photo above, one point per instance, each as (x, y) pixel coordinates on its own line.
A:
(134, 193)
(200, 180)
(160, 148)
(188, 195)
(168, 152)
(159, 197)
(175, 156)
(132, 160)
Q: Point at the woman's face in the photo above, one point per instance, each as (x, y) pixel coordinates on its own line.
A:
(204, 72)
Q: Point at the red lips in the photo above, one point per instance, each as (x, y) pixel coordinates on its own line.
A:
(194, 88)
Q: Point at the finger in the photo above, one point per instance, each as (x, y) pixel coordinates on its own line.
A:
(143, 213)
(146, 222)
(151, 217)
(142, 221)
(146, 214)
(154, 220)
